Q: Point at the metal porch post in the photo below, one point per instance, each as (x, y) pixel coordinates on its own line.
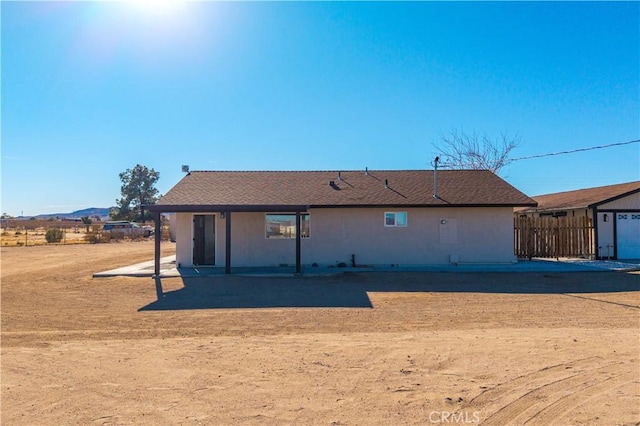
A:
(298, 240)
(595, 232)
(157, 235)
(227, 257)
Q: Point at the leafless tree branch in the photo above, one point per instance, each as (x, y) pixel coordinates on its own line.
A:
(459, 150)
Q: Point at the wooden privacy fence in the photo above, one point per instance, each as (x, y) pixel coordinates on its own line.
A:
(553, 236)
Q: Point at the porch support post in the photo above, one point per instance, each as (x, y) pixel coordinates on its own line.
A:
(227, 241)
(157, 235)
(596, 251)
(298, 240)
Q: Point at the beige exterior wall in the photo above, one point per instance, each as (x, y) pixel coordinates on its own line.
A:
(471, 234)
(432, 236)
(250, 247)
(184, 236)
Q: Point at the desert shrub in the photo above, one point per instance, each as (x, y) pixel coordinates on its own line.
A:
(107, 237)
(54, 235)
(92, 237)
(115, 235)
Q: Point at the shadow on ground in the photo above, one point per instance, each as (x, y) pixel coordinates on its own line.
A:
(351, 289)
(218, 292)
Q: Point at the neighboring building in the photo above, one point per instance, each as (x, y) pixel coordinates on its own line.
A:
(363, 217)
(616, 230)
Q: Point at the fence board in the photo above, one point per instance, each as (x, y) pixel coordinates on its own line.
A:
(553, 237)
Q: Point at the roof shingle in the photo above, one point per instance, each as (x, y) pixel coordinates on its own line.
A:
(350, 188)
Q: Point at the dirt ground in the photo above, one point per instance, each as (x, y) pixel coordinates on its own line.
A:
(360, 348)
(32, 237)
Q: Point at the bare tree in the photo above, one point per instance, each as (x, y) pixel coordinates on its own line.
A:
(459, 150)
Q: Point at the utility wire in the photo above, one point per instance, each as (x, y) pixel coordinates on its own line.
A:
(575, 150)
(458, 165)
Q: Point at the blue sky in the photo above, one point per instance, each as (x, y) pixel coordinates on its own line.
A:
(90, 89)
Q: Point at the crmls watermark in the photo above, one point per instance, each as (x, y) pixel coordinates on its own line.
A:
(454, 417)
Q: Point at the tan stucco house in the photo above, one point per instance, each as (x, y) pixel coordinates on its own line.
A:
(614, 211)
(365, 217)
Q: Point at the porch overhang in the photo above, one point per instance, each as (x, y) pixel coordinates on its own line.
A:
(200, 208)
(158, 209)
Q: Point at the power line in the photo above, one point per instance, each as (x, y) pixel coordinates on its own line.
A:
(575, 150)
(459, 164)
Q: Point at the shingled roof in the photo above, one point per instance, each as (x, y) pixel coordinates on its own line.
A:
(583, 198)
(252, 190)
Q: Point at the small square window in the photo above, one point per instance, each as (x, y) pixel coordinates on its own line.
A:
(390, 219)
(395, 219)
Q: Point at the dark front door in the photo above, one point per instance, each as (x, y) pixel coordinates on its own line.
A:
(204, 237)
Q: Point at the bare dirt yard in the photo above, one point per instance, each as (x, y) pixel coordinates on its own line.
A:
(359, 348)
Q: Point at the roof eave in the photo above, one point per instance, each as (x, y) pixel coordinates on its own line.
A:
(192, 208)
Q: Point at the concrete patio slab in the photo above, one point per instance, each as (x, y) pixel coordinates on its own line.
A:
(143, 269)
(168, 268)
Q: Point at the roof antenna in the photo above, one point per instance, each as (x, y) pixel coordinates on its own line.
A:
(435, 178)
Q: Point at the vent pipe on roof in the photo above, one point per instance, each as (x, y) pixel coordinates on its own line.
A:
(435, 178)
(386, 184)
(340, 175)
(366, 171)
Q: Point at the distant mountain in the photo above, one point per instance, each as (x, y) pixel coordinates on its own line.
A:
(102, 212)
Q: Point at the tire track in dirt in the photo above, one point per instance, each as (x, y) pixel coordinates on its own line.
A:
(543, 395)
(525, 383)
(551, 413)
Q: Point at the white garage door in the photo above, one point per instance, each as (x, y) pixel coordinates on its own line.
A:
(628, 235)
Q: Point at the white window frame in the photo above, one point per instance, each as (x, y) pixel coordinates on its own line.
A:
(395, 219)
